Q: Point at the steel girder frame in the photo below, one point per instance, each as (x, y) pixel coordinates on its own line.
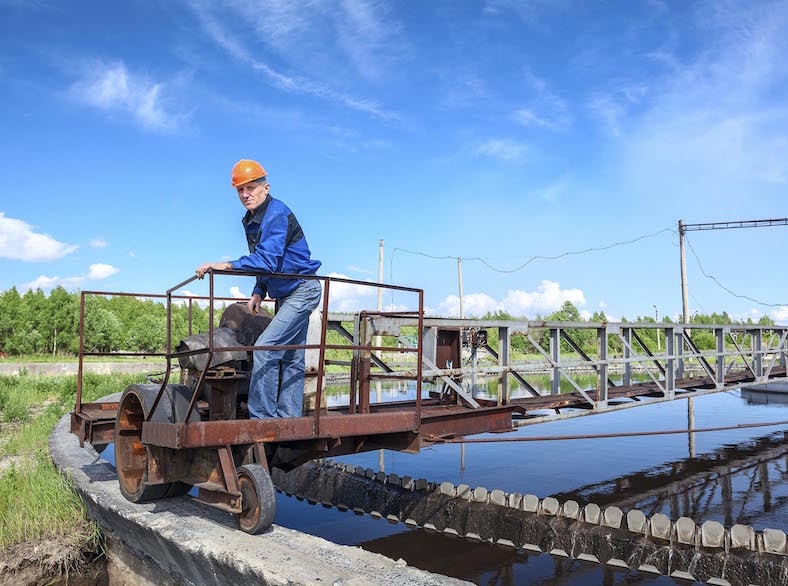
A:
(767, 348)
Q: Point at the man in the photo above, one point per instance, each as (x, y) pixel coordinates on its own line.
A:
(276, 245)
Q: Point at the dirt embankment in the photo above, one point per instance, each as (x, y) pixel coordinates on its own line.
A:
(58, 561)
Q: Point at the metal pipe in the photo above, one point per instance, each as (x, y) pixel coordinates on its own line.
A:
(549, 438)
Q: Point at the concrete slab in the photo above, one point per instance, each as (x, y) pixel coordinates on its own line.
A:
(191, 543)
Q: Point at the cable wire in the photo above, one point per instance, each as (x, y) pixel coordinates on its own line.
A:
(550, 438)
(713, 278)
(537, 257)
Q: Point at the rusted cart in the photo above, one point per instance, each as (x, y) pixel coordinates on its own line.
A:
(169, 437)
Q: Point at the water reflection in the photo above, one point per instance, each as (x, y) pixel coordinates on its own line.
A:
(734, 484)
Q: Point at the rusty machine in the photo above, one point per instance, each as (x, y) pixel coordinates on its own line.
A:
(170, 437)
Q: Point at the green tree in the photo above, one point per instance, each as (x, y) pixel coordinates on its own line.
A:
(10, 303)
(148, 333)
(63, 322)
(103, 329)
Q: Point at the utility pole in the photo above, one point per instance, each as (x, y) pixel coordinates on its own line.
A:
(459, 279)
(656, 319)
(380, 275)
(379, 340)
(684, 294)
(714, 226)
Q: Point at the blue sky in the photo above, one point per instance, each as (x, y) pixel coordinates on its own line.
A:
(494, 131)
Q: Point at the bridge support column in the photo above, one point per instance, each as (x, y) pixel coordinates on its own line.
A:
(719, 334)
(627, 335)
(670, 363)
(601, 379)
(756, 347)
(504, 360)
(678, 345)
(555, 356)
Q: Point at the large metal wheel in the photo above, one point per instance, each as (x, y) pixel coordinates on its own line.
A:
(258, 499)
(131, 457)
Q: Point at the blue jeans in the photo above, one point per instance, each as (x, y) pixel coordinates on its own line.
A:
(268, 395)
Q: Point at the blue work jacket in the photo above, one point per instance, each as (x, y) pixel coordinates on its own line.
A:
(276, 245)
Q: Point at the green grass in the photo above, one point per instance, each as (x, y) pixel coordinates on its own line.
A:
(36, 502)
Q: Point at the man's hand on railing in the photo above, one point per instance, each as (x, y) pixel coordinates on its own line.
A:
(219, 266)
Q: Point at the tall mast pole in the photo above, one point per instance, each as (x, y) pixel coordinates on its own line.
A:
(684, 293)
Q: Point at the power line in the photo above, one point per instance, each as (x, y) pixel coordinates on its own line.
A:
(713, 278)
(536, 257)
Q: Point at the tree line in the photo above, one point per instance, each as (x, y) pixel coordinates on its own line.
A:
(36, 323)
(586, 339)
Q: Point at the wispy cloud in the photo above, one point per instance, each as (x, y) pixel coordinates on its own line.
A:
(530, 11)
(715, 113)
(98, 243)
(292, 29)
(554, 191)
(19, 241)
(367, 32)
(362, 270)
(112, 88)
(503, 149)
(545, 109)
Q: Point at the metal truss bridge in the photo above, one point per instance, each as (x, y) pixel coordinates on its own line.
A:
(551, 376)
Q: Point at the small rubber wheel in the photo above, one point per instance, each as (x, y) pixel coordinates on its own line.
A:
(258, 499)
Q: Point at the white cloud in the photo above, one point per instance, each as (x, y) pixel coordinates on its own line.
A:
(100, 271)
(474, 304)
(780, 315)
(503, 149)
(18, 241)
(98, 243)
(235, 292)
(547, 298)
(111, 87)
(96, 272)
(47, 283)
(349, 297)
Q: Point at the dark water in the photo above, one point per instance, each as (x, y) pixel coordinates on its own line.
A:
(737, 476)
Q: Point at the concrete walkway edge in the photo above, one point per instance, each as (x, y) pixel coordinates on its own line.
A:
(195, 544)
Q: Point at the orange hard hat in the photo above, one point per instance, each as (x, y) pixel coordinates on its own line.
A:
(247, 170)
